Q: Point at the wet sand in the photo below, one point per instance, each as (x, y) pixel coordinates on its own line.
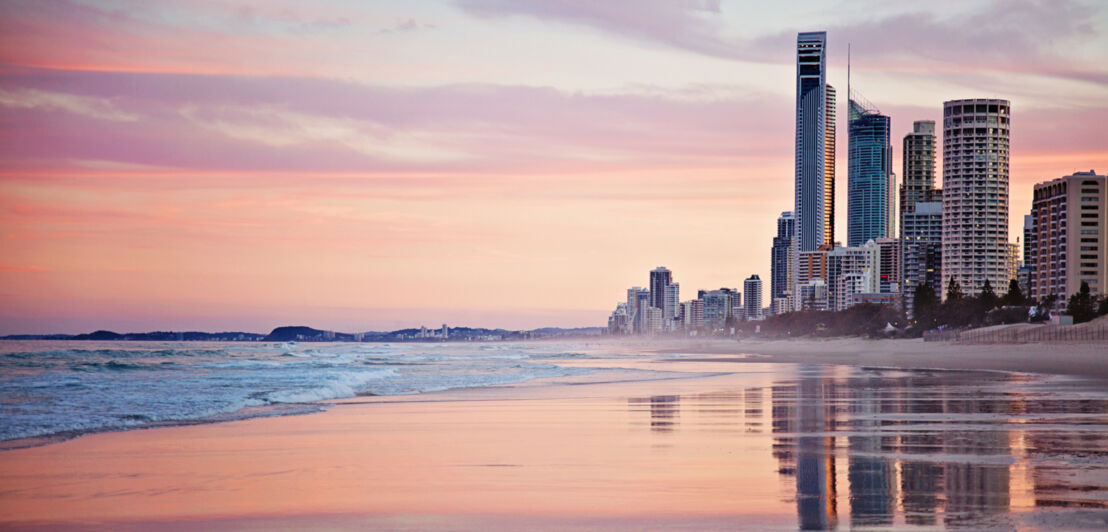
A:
(704, 445)
(1087, 359)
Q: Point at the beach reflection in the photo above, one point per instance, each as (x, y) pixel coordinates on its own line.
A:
(875, 448)
(663, 410)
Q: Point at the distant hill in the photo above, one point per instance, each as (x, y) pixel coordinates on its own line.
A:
(301, 333)
(99, 335)
(155, 336)
(37, 337)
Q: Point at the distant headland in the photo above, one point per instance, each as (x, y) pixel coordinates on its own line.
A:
(299, 333)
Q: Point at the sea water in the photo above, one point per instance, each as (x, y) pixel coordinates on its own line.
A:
(67, 388)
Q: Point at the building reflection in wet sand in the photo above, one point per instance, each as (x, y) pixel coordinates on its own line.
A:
(664, 410)
(954, 449)
(929, 445)
(816, 501)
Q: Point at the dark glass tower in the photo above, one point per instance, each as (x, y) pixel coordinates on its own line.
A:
(660, 277)
(812, 204)
(779, 256)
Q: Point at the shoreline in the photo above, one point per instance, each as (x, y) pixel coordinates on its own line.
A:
(1086, 360)
(1080, 359)
(696, 450)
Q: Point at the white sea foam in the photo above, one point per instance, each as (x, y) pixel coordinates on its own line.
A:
(67, 387)
(337, 387)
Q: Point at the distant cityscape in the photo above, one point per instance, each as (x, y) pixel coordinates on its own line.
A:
(896, 243)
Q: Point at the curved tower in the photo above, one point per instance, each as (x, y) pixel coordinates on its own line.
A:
(975, 193)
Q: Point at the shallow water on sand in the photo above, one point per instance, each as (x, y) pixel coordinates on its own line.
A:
(878, 448)
(639, 441)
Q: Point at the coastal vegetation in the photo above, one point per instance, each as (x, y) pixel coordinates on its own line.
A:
(956, 311)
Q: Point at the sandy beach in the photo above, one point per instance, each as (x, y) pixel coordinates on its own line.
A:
(704, 444)
(1087, 359)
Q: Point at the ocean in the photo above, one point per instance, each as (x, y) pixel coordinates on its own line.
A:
(59, 389)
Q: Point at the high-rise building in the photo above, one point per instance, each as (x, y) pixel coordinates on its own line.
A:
(1070, 215)
(870, 180)
(638, 301)
(851, 271)
(718, 305)
(920, 244)
(812, 265)
(812, 205)
(753, 289)
(918, 173)
(659, 278)
(922, 238)
(813, 295)
(672, 305)
(737, 309)
(618, 322)
(975, 193)
(1028, 237)
(889, 272)
(1023, 273)
(655, 323)
(693, 314)
(829, 165)
(781, 257)
(809, 265)
(633, 307)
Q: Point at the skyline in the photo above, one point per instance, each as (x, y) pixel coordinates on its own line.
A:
(218, 188)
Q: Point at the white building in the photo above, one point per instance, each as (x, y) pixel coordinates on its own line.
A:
(619, 322)
(693, 314)
(850, 271)
(671, 305)
(655, 321)
(813, 295)
(975, 193)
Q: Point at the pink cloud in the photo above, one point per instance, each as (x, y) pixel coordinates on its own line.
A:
(300, 124)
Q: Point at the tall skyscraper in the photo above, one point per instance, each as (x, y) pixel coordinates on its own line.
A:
(753, 306)
(1070, 215)
(659, 278)
(812, 205)
(920, 236)
(829, 167)
(918, 172)
(869, 174)
(780, 257)
(975, 193)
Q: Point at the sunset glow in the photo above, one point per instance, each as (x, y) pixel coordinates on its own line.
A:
(225, 165)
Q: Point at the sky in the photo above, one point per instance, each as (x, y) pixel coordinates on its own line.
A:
(234, 165)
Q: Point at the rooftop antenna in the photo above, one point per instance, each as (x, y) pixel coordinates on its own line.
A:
(848, 95)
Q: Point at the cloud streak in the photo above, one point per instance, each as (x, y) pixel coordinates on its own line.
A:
(1010, 36)
(257, 123)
